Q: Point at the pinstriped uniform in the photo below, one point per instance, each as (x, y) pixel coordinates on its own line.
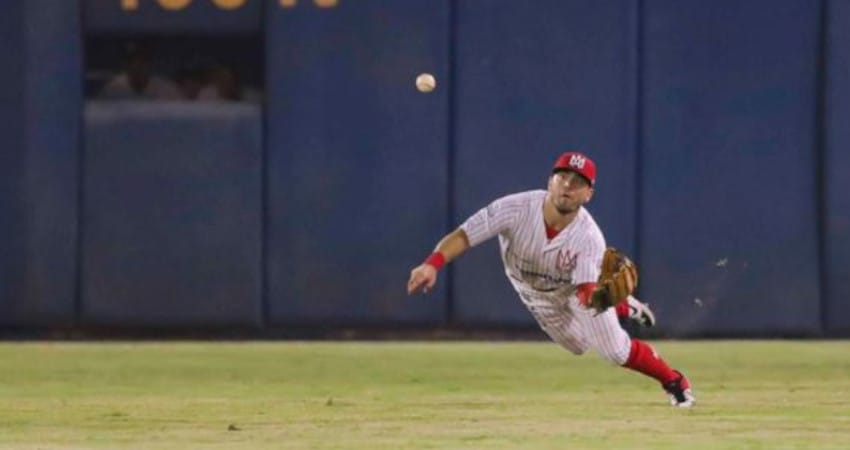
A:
(545, 272)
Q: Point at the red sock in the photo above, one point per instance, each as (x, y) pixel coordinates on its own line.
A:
(642, 358)
(622, 309)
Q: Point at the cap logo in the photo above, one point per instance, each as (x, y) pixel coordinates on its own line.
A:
(577, 161)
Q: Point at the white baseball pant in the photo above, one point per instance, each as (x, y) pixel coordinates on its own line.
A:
(578, 329)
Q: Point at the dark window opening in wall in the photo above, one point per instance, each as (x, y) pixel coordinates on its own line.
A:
(175, 68)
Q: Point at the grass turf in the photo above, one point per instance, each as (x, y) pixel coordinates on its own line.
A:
(752, 395)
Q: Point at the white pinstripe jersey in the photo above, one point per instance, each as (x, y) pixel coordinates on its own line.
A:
(539, 268)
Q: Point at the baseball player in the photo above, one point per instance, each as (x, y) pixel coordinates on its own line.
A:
(556, 259)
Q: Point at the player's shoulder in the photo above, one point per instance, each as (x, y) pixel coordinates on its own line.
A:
(590, 228)
(517, 203)
(520, 199)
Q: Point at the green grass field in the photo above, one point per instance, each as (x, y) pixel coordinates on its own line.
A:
(482, 395)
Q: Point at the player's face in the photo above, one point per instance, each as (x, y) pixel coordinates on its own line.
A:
(568, 191)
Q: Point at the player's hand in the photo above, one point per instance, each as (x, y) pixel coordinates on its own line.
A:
(422, 278)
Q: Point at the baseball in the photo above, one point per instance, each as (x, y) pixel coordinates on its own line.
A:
(425, 82)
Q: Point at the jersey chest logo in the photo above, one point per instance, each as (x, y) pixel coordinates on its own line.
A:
(566, 261)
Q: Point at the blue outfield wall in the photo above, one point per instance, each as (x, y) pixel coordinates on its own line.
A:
(729, 218)
(13, 194)
(172, 215)
(533, 80)
(836, 163)
(718, 129)
(357, 160)
(40, 100)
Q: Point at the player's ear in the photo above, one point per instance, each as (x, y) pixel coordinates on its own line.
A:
(589, 195)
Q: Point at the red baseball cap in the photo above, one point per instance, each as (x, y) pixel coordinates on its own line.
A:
(578, 163)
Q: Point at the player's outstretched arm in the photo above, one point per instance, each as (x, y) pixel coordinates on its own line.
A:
(424, 276)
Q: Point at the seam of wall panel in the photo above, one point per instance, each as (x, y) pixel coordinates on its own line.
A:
(448, 317)
(265, 215)
(80, 197)
(820, 149)
(638, 18)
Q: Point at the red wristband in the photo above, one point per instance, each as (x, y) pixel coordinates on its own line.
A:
(584, 292)
(436, 259)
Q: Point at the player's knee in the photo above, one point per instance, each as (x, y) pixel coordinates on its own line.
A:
(615, 355)
(574, 346)
(578, 351)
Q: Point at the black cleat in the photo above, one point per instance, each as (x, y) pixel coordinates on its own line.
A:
(679, 391)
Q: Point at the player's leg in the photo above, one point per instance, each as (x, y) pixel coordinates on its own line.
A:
(564, 325)
(604, 335)
(644, 359)
(577, 329)
(636, 310)
(557, 325)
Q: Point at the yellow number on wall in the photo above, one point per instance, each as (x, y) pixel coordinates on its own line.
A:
(129, 5)
(229, 4)
(177, 5)
(174, 5)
